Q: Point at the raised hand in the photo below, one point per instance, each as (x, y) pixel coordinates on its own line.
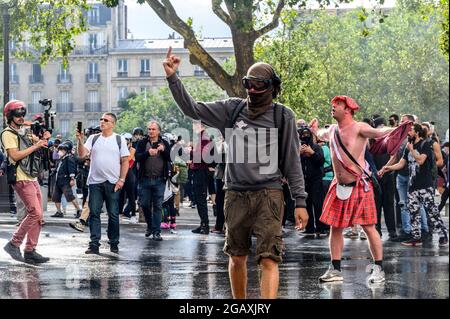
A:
(171, 63)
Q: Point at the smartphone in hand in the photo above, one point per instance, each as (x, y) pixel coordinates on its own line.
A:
(80, 127)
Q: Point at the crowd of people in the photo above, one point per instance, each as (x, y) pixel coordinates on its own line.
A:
(327, 181)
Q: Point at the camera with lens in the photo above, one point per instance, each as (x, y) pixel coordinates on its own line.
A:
(41, 125)
(155, 145)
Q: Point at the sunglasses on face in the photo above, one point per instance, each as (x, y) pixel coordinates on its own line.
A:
(104, 120)
(19, 113)
(255, 83)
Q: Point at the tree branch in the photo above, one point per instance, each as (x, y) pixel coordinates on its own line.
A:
(168, 14)
(217, 9)
(275, 20)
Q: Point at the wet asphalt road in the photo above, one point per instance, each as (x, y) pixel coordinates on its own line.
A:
(190, 266)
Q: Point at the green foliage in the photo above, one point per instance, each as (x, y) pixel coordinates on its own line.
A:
(44, 30)
(396, 68)
(161, 106)
(443, 7)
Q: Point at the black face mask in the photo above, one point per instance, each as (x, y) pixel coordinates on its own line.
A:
(391, 122)
(411, 139)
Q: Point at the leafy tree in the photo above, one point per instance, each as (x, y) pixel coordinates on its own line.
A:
(248, 20)
(161, 106)
(396, 68)
(44, 29)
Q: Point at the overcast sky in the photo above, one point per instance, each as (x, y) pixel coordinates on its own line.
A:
(145, 24)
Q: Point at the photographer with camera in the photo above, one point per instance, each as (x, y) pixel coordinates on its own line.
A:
(23, 154)
(312, 158)
(153, 156)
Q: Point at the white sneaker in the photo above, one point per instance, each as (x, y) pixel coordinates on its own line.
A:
(331, 275)
(133, 220)
(376, 274)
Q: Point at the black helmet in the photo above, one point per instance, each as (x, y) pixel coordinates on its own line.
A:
(65, 147)
(138, 131)
(68, 144)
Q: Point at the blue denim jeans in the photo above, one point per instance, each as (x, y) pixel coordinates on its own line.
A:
(99, 193)
(151, 201)
(402, 188)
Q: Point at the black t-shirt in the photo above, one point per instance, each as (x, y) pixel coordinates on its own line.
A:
(400, 154)
(419, 175)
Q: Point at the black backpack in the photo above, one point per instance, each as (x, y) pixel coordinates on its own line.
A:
(31, 165)
(279, 112)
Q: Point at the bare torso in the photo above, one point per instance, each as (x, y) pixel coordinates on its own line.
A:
(355, 144)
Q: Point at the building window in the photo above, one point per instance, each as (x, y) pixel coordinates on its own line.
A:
(64, 105)
(145, 90)
(93, 15)
(93, 41)
(93, 96)
(64, 127)
(122, 93)
(93, 68)
(35, 106)
(93, 103)
(12, 95)
(13, 76)
(36, 74)
(64, 76)
(145, 67)
(122, 68)
(93, 75)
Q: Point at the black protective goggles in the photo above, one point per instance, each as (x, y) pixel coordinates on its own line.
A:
(19, 112)
(257, 84)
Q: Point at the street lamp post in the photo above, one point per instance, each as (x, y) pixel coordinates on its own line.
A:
(4, 187)
(5, 57)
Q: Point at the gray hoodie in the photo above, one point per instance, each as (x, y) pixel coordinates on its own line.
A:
(247, 176)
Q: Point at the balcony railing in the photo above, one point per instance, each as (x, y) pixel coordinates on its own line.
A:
(64, 107)
(14, 79)
(95, 21)
(88, 50)
(36, 78)
(145, 74)
(92, 107)
(64, 78)
(35, 108)
(92, 78)
(122, 74)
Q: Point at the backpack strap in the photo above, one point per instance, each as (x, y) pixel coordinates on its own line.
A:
(279, 120)
(237, 110)
(118, 140)
(4, 151)
(96, 136)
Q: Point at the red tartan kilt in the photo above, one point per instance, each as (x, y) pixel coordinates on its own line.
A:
(359, 209)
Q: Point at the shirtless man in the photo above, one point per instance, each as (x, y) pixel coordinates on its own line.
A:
(350, 199)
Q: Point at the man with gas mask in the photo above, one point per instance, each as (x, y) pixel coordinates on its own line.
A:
(65, 179)
(312, 164)
(254, 196)
(23, 151)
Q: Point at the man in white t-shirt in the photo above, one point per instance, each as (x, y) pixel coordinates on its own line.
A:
(109, 166)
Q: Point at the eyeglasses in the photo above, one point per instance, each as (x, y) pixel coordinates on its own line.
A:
(257, 84)
(104, 120)
(19, 112)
